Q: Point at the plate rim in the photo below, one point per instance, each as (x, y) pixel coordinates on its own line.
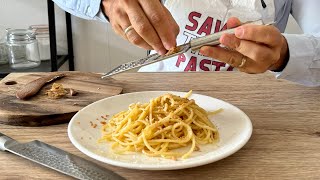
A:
(185, 165)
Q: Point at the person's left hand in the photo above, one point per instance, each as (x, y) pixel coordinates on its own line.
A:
(252, 49)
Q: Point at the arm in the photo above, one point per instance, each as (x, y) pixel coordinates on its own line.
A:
(304, 64)
(152, 25)
(86, 9)
(256, 49)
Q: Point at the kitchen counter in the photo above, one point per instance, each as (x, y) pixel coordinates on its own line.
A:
(285, 143)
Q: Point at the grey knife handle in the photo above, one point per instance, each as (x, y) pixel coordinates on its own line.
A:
(213, 39)
(3, 140)
(210, 40)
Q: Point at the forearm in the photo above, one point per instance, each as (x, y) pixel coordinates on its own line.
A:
(303, 66)
(86, 9)
(304, 62)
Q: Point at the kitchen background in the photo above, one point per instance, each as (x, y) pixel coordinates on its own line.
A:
(96, 47)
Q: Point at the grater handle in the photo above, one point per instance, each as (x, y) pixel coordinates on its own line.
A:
(210, 40)
(213, 39)
(3, 140)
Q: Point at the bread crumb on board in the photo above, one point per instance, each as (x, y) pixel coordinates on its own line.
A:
(56, 91)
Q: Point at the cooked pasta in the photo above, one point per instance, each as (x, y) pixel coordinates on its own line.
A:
(159, 127)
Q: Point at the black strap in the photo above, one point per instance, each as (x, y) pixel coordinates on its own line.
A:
(264, 5)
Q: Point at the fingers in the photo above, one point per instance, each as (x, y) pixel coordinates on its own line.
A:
(120, 23)
(137, 40)
(153, 25)
(157, 17)
(252, 49)
(233, 22)
(268, 35)
(143, 27)
(227, 56)
(133, 36)
(173, 23)
(257, 52)
(233, 58)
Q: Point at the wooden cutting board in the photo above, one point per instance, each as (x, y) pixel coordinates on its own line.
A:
(40, 110)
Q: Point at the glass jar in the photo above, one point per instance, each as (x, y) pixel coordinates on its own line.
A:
(23, 51)
(3, 52)
(3, 47)
(42, 36)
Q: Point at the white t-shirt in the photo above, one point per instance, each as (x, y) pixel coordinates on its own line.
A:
(195, 17)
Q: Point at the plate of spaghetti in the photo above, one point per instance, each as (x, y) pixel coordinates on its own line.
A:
(159, 130)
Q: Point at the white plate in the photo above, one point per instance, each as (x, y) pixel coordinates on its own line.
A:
(234, 126)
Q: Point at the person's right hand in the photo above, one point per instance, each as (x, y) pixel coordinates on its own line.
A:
(153, 25)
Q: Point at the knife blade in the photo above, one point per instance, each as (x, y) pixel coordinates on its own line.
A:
(194, 44)
(57, 159)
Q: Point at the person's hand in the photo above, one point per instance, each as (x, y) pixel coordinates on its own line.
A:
(252, 49)
(153, 25)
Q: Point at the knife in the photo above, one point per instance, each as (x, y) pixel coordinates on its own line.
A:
(57, 159)
(194, 44)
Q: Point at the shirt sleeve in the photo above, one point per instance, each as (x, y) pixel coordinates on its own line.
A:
(304, 63)
(86, 9)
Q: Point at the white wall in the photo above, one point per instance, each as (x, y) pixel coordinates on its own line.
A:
(293, 27)
(21, 14)
(96, 47)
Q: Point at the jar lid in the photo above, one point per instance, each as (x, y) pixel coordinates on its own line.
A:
(20, 35)
(40, 29)
(2, 34)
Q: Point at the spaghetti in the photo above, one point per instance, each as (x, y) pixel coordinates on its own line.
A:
(159, 127)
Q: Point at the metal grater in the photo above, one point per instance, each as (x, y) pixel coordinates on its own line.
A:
(194, 44)
(57, 159)
(145, 61)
